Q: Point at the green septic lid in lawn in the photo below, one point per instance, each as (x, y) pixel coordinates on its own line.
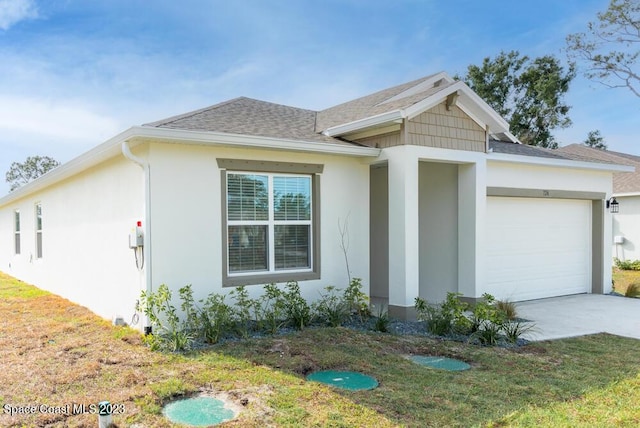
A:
(352, 381)
(440, 363)
(198, 411)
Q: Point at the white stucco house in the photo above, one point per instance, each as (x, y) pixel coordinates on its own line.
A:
(626, 191)
(438, 196)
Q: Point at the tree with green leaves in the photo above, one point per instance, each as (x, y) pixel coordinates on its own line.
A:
(528, 93)
(595, 140)
(610, 47)
(32, 168)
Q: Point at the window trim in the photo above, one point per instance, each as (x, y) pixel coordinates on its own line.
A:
(38, 230)
(248, 166)
(17, 236)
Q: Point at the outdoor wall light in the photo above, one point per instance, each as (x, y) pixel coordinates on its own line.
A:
(613, 205)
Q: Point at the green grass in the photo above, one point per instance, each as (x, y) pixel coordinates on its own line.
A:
(55, 352)
(622, 279)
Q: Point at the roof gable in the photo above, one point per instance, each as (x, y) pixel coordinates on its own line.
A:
(407, 101)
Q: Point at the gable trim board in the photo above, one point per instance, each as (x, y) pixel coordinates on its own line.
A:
(430, 203)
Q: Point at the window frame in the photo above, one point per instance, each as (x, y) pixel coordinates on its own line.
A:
(271, 169)
(17, 241)
(38, 229)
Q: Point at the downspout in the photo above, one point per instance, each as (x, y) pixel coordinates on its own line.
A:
(144, 164)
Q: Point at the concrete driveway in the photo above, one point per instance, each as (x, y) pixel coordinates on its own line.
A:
(581, 314)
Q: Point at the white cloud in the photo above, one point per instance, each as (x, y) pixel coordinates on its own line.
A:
(53, 120)
(14, 11)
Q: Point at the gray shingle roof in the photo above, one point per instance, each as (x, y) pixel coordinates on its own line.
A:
(373, 104)
(623, 182)
(247, 116)
(524, 150)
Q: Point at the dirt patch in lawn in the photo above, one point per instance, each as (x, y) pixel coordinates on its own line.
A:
(59, 360)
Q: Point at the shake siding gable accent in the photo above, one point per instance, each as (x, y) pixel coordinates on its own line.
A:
(382, 141)
(446, 129)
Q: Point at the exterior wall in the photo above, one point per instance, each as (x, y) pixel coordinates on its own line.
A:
(382, 141)
(86, 221)
(627, 224)
(187, 216)
(438, 230)
(446, 129)
(503, 174)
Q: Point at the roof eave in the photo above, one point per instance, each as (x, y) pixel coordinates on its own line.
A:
(111, 148)
(98, 154)
(209, 138)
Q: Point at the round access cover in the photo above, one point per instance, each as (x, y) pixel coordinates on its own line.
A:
(352, 381)
(440, 363)
(198, 411)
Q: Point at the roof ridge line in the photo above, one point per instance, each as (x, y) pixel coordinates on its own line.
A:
(175, 118)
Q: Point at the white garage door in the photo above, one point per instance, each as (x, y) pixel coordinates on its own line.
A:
(538, 247)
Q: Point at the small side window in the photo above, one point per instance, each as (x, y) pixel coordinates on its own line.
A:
(16, 231)
(39, 231)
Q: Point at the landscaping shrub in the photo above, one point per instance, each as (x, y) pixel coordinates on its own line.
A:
(216, 318)
(331, 308)
(445, 318)
(272, 309)
(296, 307)
(508, 307)
(627, 264)
(513, 330)
(244, 311)
(357, 301)
(633, 290)
(487, 322)
(169, 333)
(381, 323)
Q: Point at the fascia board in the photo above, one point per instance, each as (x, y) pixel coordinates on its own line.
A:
(207, 138)
(566, 163)
(513, 137)
(485, 108)
(368, 122)
(98, 154)
(625, 194)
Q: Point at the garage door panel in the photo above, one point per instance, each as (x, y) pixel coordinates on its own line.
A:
(538, 247)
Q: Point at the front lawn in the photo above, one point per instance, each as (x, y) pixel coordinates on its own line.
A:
(55, 353)
(623, 278)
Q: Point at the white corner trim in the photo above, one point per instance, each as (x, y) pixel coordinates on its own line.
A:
(564, 163)
(368, 122)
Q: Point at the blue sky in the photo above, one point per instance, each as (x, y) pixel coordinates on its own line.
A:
(74, 73)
